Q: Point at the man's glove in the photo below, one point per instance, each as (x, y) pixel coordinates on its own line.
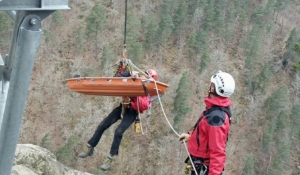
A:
(184, 137)
(187, 167)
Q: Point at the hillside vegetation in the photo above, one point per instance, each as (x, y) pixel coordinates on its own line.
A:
(257, 41)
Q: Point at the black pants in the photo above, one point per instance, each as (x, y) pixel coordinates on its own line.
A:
(128, 118)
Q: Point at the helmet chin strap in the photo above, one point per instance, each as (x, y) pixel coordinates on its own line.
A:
(210, 92)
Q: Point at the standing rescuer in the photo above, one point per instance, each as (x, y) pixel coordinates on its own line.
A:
(127, 111)
(207, 142)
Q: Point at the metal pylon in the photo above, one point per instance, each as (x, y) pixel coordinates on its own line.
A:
(16, 70)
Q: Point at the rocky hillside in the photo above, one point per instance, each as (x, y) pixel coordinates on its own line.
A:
(184, 41)
(34, 160)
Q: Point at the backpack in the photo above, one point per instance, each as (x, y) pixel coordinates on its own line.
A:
(213, 108)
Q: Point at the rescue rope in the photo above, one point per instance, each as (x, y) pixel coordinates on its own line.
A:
(128, 61)
(173, 128)
(137, 101)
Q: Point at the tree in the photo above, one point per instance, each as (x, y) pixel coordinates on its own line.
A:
(258, 15)
(219, 16)
(96, 21)
(192, 45)
(48, 35)
(66, 153)
(6, 26)
(277, 102)
(274, 105)
(295, 121)
(166, 24)
(151, 33)
(205, 58)
(134, 37)
(296, 65)
(80, 39)
(269, 133)
(46, 142)
(283, 144)
(264, 78)
(181, 101)
(58, 18)
(253, 45)
(291, 41)
(209, 17)
(249, 166)
(180, 17)
(201, 42)
(107, 56)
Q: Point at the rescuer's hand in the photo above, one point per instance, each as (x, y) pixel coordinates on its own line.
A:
(184, 137)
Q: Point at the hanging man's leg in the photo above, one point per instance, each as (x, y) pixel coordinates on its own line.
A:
(112, 118)
(128, 119)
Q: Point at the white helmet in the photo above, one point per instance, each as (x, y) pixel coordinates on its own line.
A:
(224, 83)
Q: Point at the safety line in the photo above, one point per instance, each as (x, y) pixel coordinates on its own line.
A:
(131, 64)
(172, 126)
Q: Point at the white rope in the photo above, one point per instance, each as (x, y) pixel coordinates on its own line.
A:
(137, 100)
(131, 64)
(173, 128)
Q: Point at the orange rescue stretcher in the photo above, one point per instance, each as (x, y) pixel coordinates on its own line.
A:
(116, 86)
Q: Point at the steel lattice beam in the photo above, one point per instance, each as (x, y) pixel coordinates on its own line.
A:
(34, 5)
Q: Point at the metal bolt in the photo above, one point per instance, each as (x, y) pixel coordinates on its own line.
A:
(33, 21)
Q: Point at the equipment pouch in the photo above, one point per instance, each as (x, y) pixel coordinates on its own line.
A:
(137, 126)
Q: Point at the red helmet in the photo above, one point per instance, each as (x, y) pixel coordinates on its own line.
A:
(152, 73)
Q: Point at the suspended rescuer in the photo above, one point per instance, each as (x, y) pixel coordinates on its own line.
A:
(207, 142)
(127, 111)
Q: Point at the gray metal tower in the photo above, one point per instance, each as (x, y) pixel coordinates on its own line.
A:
(16, 70)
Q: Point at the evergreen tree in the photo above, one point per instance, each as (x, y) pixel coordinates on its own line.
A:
(46, 142)
(192, 5)
(57, 18)
(80, 39)
(133, 37)
(204, 61)
(241, 7)
(180, 17)
(192, 45)
(258, 16)
(264, 78)
(220, 7)
(66, 153)
(201, 44)
(277, 102)
(296, 65)
(252, 45)
(181, 101)
(269, 133)
(229, 29)
(6, 26)
(96, 21)
(249, 166)
(295, 121)
(283, 144)
(107, 56)
(48, 35)
(166, 24)
(209, 22)
(291, 41)
(151, 33)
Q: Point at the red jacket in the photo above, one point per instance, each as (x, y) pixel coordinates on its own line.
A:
(140, 103)
(208, 140)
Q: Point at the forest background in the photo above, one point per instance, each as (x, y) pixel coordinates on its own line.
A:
(257, 41)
